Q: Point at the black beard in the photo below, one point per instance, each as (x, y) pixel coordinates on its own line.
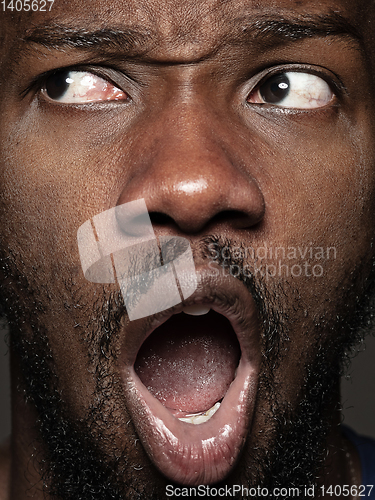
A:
(75, 466)
(297, 457)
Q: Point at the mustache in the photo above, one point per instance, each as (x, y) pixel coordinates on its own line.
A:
(210, 249)
(230, 254)
(110, 311)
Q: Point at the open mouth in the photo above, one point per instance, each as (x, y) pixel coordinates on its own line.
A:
(191, 382)
(189, 362)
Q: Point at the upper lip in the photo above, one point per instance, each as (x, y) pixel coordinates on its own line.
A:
(163, 436)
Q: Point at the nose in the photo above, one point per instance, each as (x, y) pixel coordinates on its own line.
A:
(192, 179)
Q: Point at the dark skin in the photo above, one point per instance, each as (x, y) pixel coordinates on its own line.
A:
(202, 152)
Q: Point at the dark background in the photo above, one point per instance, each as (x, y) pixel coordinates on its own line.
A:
(358, 391)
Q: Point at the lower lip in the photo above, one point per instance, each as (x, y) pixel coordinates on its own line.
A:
(194, 454)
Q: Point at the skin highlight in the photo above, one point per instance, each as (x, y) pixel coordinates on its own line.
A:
(216, 168)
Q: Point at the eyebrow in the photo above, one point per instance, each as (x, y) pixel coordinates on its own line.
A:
(264, 31)
(270, 30)
(59, 36)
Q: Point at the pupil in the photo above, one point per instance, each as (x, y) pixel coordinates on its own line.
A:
(275, 89)
(57, 84)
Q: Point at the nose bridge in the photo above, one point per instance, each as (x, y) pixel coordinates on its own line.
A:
(186, 124)
(189, 147)
(190, 173)
(187, 120)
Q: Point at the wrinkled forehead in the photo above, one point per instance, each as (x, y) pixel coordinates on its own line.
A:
(187, 29)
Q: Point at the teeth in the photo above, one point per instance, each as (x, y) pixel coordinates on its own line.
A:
(200, 418)
(196, 310)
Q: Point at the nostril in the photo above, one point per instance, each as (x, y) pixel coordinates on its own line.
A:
(237, 218)
(133, 219)
(160, 218)
(229, 214)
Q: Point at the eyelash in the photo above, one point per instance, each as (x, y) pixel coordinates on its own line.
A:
(332, 80)
(38, 83)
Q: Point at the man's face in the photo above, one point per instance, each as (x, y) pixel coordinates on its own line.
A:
(243, 125)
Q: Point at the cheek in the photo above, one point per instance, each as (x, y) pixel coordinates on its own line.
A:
(45, 198)
(316, 239)
(323, 197)
(49, 184)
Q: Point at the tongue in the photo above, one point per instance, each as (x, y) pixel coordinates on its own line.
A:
(189, 362)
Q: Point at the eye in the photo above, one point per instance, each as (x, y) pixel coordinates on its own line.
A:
(80, 87)
(293, 90)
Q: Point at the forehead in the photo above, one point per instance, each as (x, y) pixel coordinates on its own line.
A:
(175, 29)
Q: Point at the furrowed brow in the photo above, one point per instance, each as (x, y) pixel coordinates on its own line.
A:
(57, 36)
(263, 31)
